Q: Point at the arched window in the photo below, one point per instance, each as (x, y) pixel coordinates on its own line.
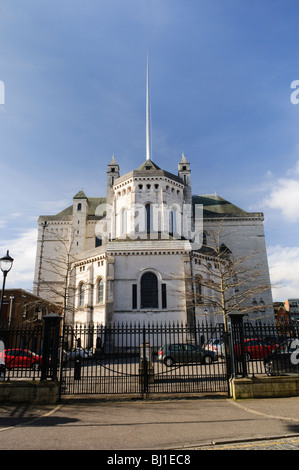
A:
(79, 206)
(172, 222)
(148, 218)
(100, 291)
(98, 241)
(123, 222)
(175, 221)
(81, 294)
(149, 291)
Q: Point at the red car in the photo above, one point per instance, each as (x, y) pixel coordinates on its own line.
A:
(254, 349)
(15, 358)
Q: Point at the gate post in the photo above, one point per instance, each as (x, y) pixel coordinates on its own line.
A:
(51, 346)
(237, 339)
(77, 368)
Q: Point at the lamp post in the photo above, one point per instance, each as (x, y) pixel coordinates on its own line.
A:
(5, 266)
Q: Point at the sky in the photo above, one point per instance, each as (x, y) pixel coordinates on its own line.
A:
(224, 76)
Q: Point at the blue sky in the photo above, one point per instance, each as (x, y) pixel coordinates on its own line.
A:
(220, 76)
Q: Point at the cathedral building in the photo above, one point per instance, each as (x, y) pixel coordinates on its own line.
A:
(151, 251)
(144, 252)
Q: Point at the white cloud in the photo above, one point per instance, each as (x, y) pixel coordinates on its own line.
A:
(284, 195)
(23, 251)
(284, 271)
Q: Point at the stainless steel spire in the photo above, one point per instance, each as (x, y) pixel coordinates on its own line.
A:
(148, 117)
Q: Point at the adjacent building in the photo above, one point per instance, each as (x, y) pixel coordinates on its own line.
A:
(292, 306)
(21, 307)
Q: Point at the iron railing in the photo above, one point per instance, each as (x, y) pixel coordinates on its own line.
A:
(21, 352)
(264, 348)
(152, 358)
(127, 358)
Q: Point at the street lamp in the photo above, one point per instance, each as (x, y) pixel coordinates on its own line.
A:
(5, 266)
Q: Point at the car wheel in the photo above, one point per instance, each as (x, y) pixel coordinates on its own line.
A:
(35, 366)
(168, 361)
(207, 360)
(269, 368)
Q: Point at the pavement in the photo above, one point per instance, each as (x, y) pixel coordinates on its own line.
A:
(177, 426)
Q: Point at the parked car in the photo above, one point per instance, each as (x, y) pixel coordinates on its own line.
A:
(254, 348)
(217, 346)
(284, 359)
(15, 358)
(65, 354)
(276, 340)
(171, 354)
(80, 352)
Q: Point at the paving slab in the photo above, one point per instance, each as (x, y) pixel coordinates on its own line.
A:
(168, 424)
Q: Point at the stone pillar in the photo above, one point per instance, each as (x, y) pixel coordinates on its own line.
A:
(51, 345)
(238, 347)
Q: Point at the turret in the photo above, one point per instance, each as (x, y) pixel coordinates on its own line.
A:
(185, 174)
(112, 175)
(80, 212)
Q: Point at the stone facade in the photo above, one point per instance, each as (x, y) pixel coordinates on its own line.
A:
(136, 254)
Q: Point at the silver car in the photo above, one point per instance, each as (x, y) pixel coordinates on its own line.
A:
(80, 352)
(217, 346)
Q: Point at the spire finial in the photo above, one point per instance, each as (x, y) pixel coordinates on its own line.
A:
(148, 133)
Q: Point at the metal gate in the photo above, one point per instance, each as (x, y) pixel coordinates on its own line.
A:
(139, 359)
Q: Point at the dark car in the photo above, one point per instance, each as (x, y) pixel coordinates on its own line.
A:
(254, 348)
(284, 359)
(171, 354)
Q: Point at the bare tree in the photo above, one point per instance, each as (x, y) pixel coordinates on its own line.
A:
(56, 283)
(226, 284)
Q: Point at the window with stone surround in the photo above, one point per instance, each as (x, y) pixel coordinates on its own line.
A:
(149, 291)
(81, 294)
(100, 290)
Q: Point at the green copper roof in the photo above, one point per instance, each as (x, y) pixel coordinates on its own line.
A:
(93, 203)
(148, 168)
(80, 195)
(216, 206)
(148, 165)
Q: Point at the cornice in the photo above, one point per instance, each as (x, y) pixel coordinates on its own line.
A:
(150, 252)
(93, 259)
(132, 178)
(227, 219)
